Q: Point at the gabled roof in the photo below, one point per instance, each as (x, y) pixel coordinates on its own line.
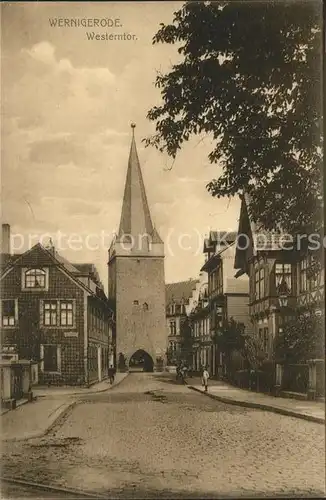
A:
(256, 238)
(70, 267)
(222, 236)
(57, 259)
(6, 259)
(180, 291)
(84, 268)
(88, 269)
(214, 259)
(216, 238)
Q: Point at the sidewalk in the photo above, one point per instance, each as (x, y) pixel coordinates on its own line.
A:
(44, 391)
(307, 410)
(33, 419)
(37, 418)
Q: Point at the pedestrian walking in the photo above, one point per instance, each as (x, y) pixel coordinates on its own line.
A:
(111, 374)
(184, 374)
(205, 378)
(178, 372)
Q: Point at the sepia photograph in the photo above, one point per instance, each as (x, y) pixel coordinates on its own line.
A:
(162, 304)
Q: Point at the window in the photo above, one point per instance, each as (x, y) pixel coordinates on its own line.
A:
(58, 313)
(145, 306)
(66, 316)
(219, 279)
(173, 328)
(308, 276)
(35, 278)
(136, 302)
(50, 313)
(259, 283)
(8, 313)
(51, 358)
(283, 272)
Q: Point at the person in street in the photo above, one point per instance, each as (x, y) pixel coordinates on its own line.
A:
(184, 374)
(111, 374)
(205, 378)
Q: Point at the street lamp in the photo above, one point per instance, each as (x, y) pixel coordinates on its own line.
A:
(283, 298)
(283, 294)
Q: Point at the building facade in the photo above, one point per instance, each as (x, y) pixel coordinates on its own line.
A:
(177, 301)
(136, 275)
(222, 297)
(203, 349)
(269, 262)
(53, 314)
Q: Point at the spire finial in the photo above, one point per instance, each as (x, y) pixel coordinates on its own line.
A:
(133, 126)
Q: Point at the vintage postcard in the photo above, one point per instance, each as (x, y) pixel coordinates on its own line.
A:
(162, 250)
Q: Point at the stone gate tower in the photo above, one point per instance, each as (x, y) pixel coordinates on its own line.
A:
(136, 273)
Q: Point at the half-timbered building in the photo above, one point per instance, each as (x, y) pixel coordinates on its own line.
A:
(273, 261)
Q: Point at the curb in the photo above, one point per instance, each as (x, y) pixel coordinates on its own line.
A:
(46, 431)
(259, 406)
(82, 393)
(4, 411)
(57, 489)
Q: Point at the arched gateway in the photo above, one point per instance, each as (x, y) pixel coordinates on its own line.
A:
(141, 361)
(136, 274)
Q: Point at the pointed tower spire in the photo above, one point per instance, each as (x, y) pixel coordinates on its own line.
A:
(135, 215)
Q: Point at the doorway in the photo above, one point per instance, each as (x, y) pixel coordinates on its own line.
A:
(141, 361)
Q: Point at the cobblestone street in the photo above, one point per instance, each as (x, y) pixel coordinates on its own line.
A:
(150, 437)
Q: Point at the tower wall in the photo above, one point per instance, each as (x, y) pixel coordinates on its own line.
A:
(136, 272)
(140, 279)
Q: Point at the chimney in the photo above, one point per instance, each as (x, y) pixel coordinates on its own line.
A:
(5, 239)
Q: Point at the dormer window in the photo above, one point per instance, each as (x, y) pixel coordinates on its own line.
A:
(145, 306)
(34, 279)
(136, 302)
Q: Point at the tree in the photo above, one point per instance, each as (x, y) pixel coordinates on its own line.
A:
(302, 338)
(231, 336)
(253, 352)
(186, 340)
(250, 76)
(170, 356)
(230, 339)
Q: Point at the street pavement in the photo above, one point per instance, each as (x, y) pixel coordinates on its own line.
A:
(308, 410)
(36, 418)
(150, 437)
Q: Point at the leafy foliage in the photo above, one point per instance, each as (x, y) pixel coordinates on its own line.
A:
(302, 338)
(250, 77)
(253, 352)
(230, 337)
(186, 339)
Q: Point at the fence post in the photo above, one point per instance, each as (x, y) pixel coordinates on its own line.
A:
(312, 384)
(279, 370)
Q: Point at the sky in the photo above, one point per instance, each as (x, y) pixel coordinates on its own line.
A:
(67, 106)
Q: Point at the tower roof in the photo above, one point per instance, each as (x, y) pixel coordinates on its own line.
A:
(135, 215)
